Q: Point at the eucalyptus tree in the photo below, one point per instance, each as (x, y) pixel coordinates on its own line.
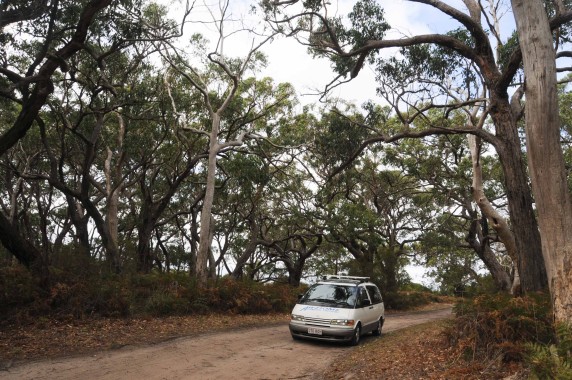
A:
(373, 223)
(264, 196)
(39, 39)
(295, 225)
(455, 271)
(218, 80)
(539, 46)
(444, 165)
(114, 128)
(332, 258)
(164, 166)
(103, 103)
(241, 209)
(373, 211)
(293, 228)
(28, 206)
(474, 61)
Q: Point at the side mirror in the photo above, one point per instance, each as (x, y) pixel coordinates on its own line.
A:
(300, 296)
(365, 303)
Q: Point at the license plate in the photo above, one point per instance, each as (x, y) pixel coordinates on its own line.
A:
(314, 331)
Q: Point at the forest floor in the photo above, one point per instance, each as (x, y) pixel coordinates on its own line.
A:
(418, 352)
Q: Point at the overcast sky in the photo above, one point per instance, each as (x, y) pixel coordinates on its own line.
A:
(290, 62)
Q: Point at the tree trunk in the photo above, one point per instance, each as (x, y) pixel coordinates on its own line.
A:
(500, 276)
(498, 273)
(144, 257)
(248, 250)
(238, 271)
(194, 239)
(545, 158)
(365, 264)
(523, 221)
(111, 250)
(164, 250)
(212, 262)
(389, 263)
(114, 183)
(295, 273)
(24, 251)
(80, 222)
(201, 269)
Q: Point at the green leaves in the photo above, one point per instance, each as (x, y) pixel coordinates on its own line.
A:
(427, 62)
(506, 50)
(367, 23)
(313, 5)
(364, 23)
(339, 138)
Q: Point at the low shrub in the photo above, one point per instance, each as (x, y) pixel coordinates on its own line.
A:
(156, 294)
(405, 300)
(249, 297)
(491, 326)
(17, 287)
(552, 361)
(163, 302)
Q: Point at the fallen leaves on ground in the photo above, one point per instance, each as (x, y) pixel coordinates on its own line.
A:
(46, 338)
(418, 352)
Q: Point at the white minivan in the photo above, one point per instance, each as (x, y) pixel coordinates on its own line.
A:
(338, 308)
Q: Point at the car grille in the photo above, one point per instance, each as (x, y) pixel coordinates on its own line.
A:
(317, 321)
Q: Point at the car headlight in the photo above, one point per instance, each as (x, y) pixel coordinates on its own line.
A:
(298, 318)
(342, 322)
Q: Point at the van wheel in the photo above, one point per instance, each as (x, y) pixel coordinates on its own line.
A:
(356, 337)
(377, 331)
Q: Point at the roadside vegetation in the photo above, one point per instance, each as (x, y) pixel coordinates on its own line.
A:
(79, 295)
(148, 295)
(491, 336)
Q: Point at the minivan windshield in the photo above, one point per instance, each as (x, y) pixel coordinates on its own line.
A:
(335, 295)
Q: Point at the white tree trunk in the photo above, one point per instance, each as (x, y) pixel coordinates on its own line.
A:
(201, 268)
(496, 220)
(545, 159)
(114, 185)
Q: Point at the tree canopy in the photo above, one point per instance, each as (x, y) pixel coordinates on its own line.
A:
(133, 142)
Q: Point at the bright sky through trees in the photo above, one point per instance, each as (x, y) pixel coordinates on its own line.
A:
(289, 61)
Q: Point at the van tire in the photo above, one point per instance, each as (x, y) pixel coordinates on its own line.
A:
(356, 336)
(377, 330)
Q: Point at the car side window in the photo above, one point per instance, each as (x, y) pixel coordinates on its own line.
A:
(362, 295)
(375, 294)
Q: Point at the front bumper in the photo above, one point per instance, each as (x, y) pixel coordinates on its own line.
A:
(332, 334)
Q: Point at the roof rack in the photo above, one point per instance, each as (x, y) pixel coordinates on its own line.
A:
(339, 277)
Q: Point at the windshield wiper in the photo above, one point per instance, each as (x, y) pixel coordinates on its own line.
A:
(323, 300)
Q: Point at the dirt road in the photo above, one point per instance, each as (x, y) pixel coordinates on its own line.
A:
(253, 353)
